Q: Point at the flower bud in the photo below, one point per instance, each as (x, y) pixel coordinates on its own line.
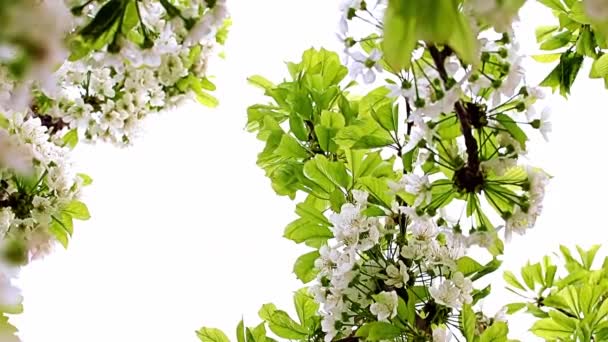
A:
(419, 102)
(535, 124)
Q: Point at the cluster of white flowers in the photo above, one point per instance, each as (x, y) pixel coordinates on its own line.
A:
(106, 95)
(435, 250)
(339, 265)
(30, 201)
(453, 292)
(362, 63)
(36, 185)
(385, 305)
(525, 218)
(32, 43)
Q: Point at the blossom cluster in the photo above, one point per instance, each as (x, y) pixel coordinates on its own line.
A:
(39, 198)
(158, 56)
(105, 95)
(363, 268)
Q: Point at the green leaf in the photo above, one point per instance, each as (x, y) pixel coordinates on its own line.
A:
(327, 174)
(527, 274)
(364, 133)
(306, 308)
(303, 230)
(511, 279)
(289, 147)
(257, 334)
(547, 58)
(497, 332)
(515, 307)
(59, 233)
(599, 68)
(4, 123)
(70, 139)
(304, 267)
(337, 199)
(362, 164)
(330, 124)
(378, 189)
(308, 211)
(206, 99)
(468, 265)
(298, 127)
(586, 43)
(564, 74)
(377, 331)
(260, 82)
(77, 210)
(385, 117)
(513, 128)
(7, 330)
(332, 119)
(402, 310)
(86, 179)
(104, 20)
(468, 321)
(587, 257)
(240, 332)
(488, 268)
(557, 41)
(463, 39)
(543, 32)
(549, 329)
(601, 313)
(399, 33)
(281, 324)
(212, 335)
(553, 4)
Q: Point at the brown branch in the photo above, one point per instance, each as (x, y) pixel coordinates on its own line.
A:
(464, 118)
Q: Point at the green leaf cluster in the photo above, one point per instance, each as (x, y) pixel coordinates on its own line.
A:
(307, 328)
(575, 38)
(569, 308)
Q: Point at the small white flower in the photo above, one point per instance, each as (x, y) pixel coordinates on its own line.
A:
(440, 333)
(397, 277)
(385, 305)
(424, 229)
(501, 315)
(419, 186)
(367, 66)
(328, 325)
(402, 89)
(543, 124)
(481, 239)
(453, 292)
(444, 105)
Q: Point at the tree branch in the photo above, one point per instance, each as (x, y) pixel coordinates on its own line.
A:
(439, 58)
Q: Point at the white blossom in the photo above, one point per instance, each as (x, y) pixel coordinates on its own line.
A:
(385, 305)
(397, 277)
(367, 66)
(441, 334)
(453, 292)
(443, 105)
(541, 123)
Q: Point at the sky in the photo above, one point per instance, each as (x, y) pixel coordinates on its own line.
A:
(186, 230)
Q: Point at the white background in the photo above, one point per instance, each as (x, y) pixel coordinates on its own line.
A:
(186, 230)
